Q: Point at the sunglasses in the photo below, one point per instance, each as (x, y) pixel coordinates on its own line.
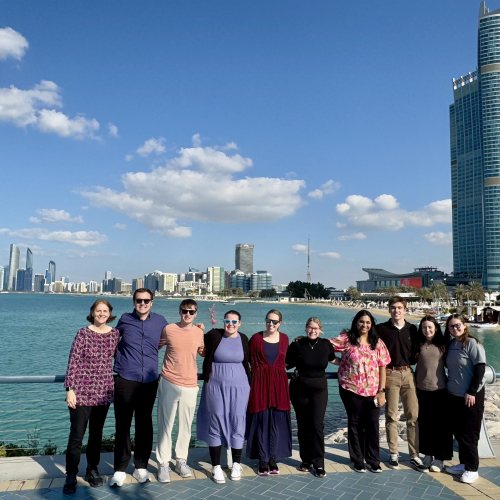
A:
(231, 321)
(140, 301)
(192, 312)
(456, 326)
(273, 321)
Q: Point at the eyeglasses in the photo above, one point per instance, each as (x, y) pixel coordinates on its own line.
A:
(273, 321)
(140, 301)
(309, 329)
(456, 326)
(231, 321)
(192, 312)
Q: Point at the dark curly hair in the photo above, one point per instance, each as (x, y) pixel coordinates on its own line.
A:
(353, 333)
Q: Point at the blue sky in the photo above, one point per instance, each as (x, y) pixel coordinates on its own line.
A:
(137, 136)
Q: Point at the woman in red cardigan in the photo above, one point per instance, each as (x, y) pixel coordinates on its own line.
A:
(269, 428)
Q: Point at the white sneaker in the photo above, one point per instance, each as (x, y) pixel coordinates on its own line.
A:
(182, 469)
(456, 470)
(436, 466)
(164, 473)
(469, 477)
(142, 475)
(427, 460)
(118, 479)
(236, 471)
(218, 475)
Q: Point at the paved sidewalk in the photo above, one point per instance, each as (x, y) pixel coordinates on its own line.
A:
(43, 477)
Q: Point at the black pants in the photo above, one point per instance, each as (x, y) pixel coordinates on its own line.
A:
(362, 427)
(466, 427)
(435, 437)
(309, 398)
(80, 417)
(139, 398)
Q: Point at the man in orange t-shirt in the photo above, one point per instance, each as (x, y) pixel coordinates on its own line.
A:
(178, 389)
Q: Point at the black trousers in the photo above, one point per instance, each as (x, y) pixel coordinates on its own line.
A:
(309, 398)
(133, 398)
(80, 417)
(466, 427)
(435, 436)
(362, 427)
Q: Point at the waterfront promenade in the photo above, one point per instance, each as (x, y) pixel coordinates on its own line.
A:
(43, 477)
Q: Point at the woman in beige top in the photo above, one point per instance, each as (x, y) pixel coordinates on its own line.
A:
(435, 438)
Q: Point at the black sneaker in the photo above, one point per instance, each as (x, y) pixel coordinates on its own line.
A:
(70, 485)
(359, 468)
(304, 467)
(374, 468)
(273, 467)
(393, 462)
(94, 478)
(263, 469)
(319, 472)
(417, 464)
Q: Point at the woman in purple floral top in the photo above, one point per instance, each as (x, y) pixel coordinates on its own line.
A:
(362, 388)
(90, 389)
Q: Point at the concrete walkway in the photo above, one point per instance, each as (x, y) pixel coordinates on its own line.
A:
(43, 477)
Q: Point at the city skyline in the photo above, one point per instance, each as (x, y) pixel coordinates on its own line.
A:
(161, 147)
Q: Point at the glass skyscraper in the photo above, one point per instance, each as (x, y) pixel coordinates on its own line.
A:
(243, 258)
(52, 271)
(13, 267)
(475, 160)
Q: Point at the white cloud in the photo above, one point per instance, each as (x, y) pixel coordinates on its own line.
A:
(129, 157)
(152, 146)
(196, 140)
(51, 216)
(80, 238)
(85, 207)
(291, 175)
(328, 187)
(354, 236)
(199, 185)
(229, 146)
(113, 130)
(329, 255)
(120, 226)
(439, 238)
(384, 213)
(30, 107)
(300, 248)
(12, 44)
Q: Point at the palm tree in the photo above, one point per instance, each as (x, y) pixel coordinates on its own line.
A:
(425, 294)
(476, 292)
(354, 293)
(459, 293)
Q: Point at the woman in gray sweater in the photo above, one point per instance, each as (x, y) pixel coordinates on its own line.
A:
(435, 436)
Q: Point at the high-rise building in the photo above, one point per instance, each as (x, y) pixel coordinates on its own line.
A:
(13, 267)
(5, 283)
(167, 282)
(29, 259)
(52, 271)
(20, 280)
(475, 162)
(107, 275)
(216, 279)
(28, 275)
(116, 285)
(92, 287)
(243, 258)
(39, 282)
(152, 281)
(137, 283)
(2, 277)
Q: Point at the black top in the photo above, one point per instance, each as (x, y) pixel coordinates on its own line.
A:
(212, 340)
(400, 343)
(271, 351)
(310, 357)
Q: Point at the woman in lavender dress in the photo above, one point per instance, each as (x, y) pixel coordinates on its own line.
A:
(90, 390)
(222, 413)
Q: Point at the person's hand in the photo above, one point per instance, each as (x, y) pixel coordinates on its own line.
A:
(335, 361)
(71, 399)
(299, 337)
(470, 400)
(381, 399)
(201, 351)
(201, 326)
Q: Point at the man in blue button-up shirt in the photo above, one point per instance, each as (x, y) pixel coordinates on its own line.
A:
(136, 384)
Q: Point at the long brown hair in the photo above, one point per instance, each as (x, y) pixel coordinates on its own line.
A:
(466, 335)
(90, 317)
(439, 340)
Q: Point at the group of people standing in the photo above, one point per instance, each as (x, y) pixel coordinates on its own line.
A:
(246, 394)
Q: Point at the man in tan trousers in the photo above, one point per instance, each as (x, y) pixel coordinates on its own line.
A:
(400, 336)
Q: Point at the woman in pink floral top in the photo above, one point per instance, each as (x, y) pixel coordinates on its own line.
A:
(90, 390)
(362, 388)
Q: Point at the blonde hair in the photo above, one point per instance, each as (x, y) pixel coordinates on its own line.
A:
(314, 319)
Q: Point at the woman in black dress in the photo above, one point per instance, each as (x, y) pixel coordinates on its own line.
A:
(309, 393)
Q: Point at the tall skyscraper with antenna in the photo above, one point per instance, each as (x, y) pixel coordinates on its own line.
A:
(308, 262)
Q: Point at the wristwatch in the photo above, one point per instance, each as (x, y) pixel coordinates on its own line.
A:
(381, 390)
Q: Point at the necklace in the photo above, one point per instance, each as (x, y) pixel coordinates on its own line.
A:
(312, 346)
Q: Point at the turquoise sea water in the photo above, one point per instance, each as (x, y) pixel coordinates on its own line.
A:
(36, 332)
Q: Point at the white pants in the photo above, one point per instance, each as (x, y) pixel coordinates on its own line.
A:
(171, 398)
